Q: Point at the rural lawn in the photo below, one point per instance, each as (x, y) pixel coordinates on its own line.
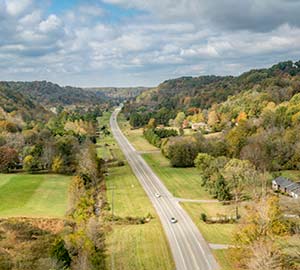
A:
(26, 195)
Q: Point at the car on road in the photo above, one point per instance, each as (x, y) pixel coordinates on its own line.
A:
(173, 220)
(157, 195)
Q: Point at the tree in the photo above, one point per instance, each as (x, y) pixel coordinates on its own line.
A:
(221, 189)
(179, 119)
(213, 118)
(238, 174)
(152, 123)
(265, 255)
(48, 155)
(237, 137)
(203, 163)
(183, 153)
(241, 117)
(88, 165)
(8, 158)
(255, 237)
(29, 163)
(57, 164)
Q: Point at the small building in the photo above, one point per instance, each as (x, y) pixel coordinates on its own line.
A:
(296, 193)
(286, 186)
(200, 125)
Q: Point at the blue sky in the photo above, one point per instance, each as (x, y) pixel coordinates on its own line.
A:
(58, 6)
(134, 42)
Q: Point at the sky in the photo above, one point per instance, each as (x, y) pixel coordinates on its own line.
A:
(143, 42)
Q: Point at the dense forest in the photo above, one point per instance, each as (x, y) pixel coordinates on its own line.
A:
(50, 94)
(118, 94)
(163, 103)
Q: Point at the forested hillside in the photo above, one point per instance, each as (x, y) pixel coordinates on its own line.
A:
(48, 93)
(18, 108)
(119, 94)
(280, 83)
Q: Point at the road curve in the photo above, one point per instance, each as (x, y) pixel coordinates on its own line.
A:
(190, 250)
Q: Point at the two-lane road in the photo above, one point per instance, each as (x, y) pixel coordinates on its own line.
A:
(190, 251)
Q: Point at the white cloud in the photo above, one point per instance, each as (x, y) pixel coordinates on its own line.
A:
(85, 46)
(16, 7)
(52, 23)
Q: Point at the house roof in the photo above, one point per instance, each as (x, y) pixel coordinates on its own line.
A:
(297, 191)
(293, 187)
(283, 182)
(286, 183)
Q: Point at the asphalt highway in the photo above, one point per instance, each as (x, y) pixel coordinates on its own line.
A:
(190, 250)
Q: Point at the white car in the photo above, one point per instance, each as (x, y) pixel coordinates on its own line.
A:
(157, 195)
(173, 220)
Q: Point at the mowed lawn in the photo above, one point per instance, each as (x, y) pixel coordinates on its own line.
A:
(213, 233)
(33, 195)
(181, 182)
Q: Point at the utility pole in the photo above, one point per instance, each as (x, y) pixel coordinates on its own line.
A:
(112, 212)
(112, 201)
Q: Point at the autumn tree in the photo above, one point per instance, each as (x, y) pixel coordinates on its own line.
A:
(257, 233)
(152, 123)
(57, 164)
(8, 158)
(213, 118)
(179, 119)
(30, 163)
(239, 174)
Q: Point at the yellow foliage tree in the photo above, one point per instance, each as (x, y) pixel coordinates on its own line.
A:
(213, 118)
(57, 164)
(241, 117)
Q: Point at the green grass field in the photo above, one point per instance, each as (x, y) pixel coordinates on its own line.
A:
(132, 247)
(135, 136)
(224, 257)
(33, 195)
(291, 174)
(213, 233)
(181, 182)
(107, 148)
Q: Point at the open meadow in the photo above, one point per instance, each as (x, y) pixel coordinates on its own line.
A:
(27, 195)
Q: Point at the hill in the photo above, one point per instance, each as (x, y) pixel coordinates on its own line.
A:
(18, 108)
(48, 93)
(281, 81)
(118, 94)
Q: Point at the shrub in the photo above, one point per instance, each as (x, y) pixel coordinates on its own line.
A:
(29, 163)
(61, 254)
(203, 217)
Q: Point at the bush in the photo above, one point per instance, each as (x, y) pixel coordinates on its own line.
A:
(121, 163)
(155, 136)
(203, 217)
(29, 163)
(61, 254)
